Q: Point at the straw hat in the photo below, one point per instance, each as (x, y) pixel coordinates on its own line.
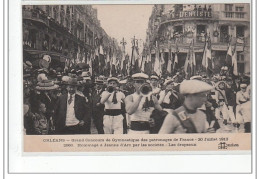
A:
(46, 85)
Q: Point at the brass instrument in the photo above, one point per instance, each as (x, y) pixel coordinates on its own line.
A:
(145, 89)
(110, 89)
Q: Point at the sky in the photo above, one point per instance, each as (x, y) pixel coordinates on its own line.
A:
(125, 21)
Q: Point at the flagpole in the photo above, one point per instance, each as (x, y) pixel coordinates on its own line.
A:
(133, 46)
(233, 53)
(123, 42)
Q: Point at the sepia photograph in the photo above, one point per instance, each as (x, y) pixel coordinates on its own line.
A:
(106, 70)
(130, 87)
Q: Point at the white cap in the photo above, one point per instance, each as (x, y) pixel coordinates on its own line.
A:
(65, 78)
(194, 86)
(243, 85)
(197, 77)
(123, 81)
(140, 76)
(112, 79)
(154, 77)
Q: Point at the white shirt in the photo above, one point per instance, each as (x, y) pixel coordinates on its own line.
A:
(156, 90)
(241, 96)
(109, 104)
(140, 114)
(166, 98)
(71, 119)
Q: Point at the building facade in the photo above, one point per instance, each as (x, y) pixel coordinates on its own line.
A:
(173, 27)
(65, 32)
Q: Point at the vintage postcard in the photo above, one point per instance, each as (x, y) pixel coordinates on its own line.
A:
(136, 77)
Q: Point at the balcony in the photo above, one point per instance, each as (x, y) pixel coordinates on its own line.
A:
(234, 15)
(35, 15)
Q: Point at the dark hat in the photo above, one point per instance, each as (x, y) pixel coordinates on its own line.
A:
(73, 82)
(83, 66)
(43, 63)
(59, 69)
(80, 80)
(99, 81)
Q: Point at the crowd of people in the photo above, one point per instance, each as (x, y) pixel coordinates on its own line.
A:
(61, 101)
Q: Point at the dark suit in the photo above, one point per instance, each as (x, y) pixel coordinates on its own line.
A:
(49, 104)
(81, 113)
(97, 111)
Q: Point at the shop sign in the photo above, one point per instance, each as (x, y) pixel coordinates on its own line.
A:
(190, 14)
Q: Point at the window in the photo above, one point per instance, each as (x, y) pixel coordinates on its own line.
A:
(224, 34)
(240, 67)
(240, 9)
(32, 38)
(239, 15)
(228, 7)
(240, 63)
(178, 29)
(201, 31)
(229, 14)
(240, 32)
(240, 58)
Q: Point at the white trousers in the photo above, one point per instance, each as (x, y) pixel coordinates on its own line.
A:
(138, 132)
(243, 113)
(224, 110)
(113, 124)
(231, 114)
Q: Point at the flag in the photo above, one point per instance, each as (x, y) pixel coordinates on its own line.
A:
(229, 55)
(162, 58)
(169, 65)
(96, 52)
(157, 64)
(125, 65)
(90, 64)
(193, 59)
(187, 62)
(176, 57)
(162, 61)
(188, 66)
(113, 66)
(148, 65)
(135, 56)
(101, 51)
(206, 53)
(234, 61)
(135, 60)
(143, 63)
(122, 62)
